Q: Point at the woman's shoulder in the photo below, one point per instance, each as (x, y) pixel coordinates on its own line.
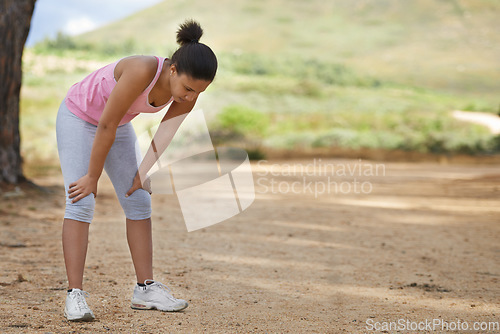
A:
(139, 65)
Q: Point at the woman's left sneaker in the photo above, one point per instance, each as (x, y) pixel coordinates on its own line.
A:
(156, 295)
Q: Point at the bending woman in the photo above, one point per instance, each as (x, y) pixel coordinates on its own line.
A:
(94, 133)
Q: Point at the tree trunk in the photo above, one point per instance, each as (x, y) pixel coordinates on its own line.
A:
(15, 20)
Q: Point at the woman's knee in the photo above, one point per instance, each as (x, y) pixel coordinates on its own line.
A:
(137, 206)
(83, 210)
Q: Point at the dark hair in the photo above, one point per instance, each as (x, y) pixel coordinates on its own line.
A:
(193, 58)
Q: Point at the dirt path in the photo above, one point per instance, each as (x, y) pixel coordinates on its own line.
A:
(492, 122)
(417, 243)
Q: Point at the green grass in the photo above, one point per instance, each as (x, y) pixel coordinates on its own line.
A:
(381, 74)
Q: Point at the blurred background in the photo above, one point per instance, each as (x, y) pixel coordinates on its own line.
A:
(333, 76)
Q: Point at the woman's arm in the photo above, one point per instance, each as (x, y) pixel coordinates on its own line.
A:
(133, 77)
(169, 125)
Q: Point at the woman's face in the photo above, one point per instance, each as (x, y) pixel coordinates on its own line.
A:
(184, 88)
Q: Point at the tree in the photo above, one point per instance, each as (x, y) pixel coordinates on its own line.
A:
(15, 20)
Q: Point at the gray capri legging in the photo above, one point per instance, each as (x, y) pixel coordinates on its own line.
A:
(75, 138)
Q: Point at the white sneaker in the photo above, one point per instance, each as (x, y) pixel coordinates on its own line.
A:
(156, 296)
(76, 306)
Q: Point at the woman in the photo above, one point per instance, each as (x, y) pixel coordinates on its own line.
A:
(94, 133)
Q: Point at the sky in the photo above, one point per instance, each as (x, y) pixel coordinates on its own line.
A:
(74, 17)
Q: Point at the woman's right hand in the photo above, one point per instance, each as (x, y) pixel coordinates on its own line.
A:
(82, 188)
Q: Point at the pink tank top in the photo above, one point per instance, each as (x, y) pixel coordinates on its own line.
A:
(87, 98)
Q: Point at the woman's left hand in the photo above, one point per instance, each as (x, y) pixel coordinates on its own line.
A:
(137, 184)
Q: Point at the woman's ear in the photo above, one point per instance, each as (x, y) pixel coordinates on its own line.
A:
(173, 70)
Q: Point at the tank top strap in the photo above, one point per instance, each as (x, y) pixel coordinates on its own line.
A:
(159, 68)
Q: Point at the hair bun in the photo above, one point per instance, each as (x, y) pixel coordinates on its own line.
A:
(194, 59)
(189, 32)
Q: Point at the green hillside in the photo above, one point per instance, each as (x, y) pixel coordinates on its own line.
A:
(451, 45)
(381, 74)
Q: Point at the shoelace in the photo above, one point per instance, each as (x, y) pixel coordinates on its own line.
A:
(159, 284)
(80, 298)
(162, 286)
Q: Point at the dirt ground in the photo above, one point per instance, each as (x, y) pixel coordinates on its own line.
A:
(407, 244)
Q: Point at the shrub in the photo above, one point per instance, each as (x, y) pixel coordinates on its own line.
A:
(242, 121)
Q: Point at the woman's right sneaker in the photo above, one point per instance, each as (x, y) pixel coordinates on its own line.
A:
(76, 306)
